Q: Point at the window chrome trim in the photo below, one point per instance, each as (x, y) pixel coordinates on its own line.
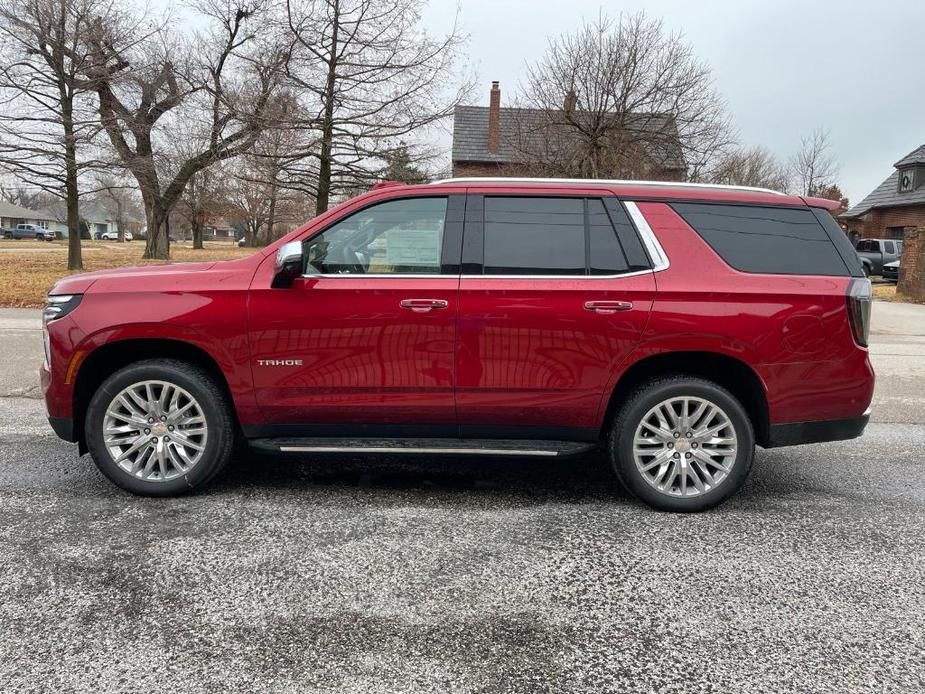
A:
(649, 239)
(468, 276)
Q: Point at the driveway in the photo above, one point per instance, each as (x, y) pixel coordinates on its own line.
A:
(376, 574)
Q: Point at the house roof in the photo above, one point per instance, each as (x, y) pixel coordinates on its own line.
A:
(887, 193)
(8, 209)
(523, 128)
(916, 156)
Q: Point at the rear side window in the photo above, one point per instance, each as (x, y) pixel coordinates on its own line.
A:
(534, 236)
(605, 256)
(550, 236)
(775, 240)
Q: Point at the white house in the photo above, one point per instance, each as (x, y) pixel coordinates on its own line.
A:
(11, 215)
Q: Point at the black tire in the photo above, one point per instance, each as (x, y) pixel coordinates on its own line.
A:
(212, 400)
(640, 402)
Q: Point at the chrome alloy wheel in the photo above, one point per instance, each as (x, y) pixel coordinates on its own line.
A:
(685, 446)
(155, 431)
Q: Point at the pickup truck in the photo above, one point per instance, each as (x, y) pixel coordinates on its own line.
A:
(875, 253)
(29, 231)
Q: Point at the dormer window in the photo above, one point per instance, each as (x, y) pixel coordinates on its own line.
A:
(906, 180)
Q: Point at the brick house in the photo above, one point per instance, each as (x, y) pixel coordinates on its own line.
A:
(896, 203)
(496, 141)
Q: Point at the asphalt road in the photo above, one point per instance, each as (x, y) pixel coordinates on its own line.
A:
(372, 574)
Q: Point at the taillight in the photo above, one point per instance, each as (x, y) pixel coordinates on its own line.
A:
(858, 300)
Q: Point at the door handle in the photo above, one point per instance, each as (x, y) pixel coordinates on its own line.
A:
(608, 307)
(423, 305)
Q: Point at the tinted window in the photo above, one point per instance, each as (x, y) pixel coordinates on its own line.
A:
(765, 239)
(606, 255)
(888, 247)
(534, 236)
(842, 244)
(395, 237)
(632, 248)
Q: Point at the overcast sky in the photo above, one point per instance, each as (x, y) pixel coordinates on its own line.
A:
(785, 67)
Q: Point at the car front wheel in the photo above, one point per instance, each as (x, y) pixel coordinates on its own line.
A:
(160, 427)
(681, 443)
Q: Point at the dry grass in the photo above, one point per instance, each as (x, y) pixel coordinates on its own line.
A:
(29, 268)
(887, 292)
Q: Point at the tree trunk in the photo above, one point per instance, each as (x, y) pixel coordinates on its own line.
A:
(197, 231)
(71, 192)
(271, 214)
(157, 244)
(120, 220)
(327, 123)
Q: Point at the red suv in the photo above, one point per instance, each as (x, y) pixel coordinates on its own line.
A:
(674, 325)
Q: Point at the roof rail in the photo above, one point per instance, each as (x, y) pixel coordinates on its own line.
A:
(598, 181)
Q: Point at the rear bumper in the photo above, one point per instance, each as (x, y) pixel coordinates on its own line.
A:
(816, 432)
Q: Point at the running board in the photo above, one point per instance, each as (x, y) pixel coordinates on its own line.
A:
(495, 447)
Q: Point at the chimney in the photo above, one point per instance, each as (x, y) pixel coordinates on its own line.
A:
(571, 101)
(494, 117)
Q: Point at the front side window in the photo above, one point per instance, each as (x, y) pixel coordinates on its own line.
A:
(888, 247)
(394, 237)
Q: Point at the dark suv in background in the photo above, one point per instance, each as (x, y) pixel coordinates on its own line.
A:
(674, 325)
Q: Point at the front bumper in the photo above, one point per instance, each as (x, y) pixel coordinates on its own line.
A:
(817, 432)
(64, 428)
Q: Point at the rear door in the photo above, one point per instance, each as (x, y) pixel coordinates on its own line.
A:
(363, 343)
(555, 293)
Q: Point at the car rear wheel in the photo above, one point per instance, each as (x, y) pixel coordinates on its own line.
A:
(160, 428)
(682, 444)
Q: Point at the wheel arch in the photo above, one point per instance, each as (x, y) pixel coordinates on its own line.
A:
(733, 374)
(108, 358)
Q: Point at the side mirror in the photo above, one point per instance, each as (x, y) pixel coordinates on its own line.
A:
(288, 264)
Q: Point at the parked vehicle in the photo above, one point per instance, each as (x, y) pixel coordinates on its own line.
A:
(242, 242)
(114, 236)
(875, 253)
(674, 325)
(891, 271)
(29, 231)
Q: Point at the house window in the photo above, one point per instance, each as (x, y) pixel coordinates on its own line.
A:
(42, 224)
(906, 180)
(894, 232)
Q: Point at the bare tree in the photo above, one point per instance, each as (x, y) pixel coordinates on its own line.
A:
(367, 76)
(619, 98)
(752, 166)
(202, 199)
(218, 98)
(116, 196)
(46, 120)
(248, 197)
(814, 167)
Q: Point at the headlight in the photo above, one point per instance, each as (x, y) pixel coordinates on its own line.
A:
(57, 306)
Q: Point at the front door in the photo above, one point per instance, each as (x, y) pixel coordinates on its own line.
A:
(363, 343)
(556, 293)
